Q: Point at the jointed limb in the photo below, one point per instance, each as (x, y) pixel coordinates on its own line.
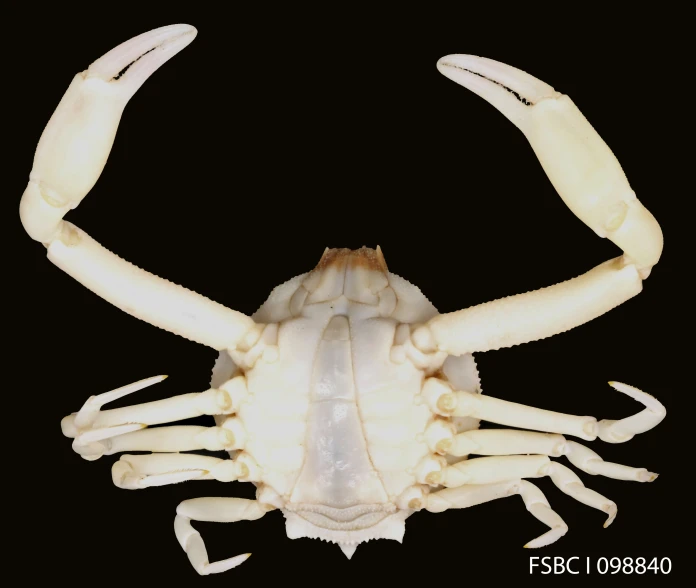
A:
(161, 440)
(511, 442)
(505, 466)
(446, 401)
(491, 470)
(152, 413)
(70, 157)
(534, 501)
(146, 296)
(505, 442)
(100, 433)
(219, 510)
(532, 315)
(588, 177)
(134, 472)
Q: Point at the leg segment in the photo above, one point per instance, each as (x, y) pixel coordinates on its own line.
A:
(511, 442)
(533, 315)
(70, 157)
(503, 466)
(534, 500)
(134, 472)
(460, 403)
(492, 470)
(590, 180)
(100, 433)
(219, 510)
(158, 440)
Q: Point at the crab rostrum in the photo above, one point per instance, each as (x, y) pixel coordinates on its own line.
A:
(347, 399)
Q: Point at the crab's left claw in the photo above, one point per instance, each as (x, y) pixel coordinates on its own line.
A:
(590, 180)
(582, 168)
(70, 157)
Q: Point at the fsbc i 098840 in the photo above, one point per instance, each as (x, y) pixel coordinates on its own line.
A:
(601, 565)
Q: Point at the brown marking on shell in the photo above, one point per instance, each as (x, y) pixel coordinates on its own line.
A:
(439, 374)
(366, 257)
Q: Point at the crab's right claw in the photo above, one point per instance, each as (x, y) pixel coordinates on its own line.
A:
(73, 148)
(580, 165)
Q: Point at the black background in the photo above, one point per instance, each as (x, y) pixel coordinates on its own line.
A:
(275, 135)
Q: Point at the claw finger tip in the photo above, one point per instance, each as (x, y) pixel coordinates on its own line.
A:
(445, 61)
(177, 30)
(192, 33)
(189, 31)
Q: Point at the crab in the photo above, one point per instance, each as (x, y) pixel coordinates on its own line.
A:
(347, 399)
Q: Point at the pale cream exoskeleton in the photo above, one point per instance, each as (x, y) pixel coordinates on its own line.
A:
(347, 399)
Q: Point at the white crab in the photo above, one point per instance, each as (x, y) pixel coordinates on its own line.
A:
(347, 399)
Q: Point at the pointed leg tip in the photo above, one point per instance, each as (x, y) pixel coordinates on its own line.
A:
(102, 433)
(611, 511)
(224, 565)
(551, 536)
(648, 400)
(626, 389)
